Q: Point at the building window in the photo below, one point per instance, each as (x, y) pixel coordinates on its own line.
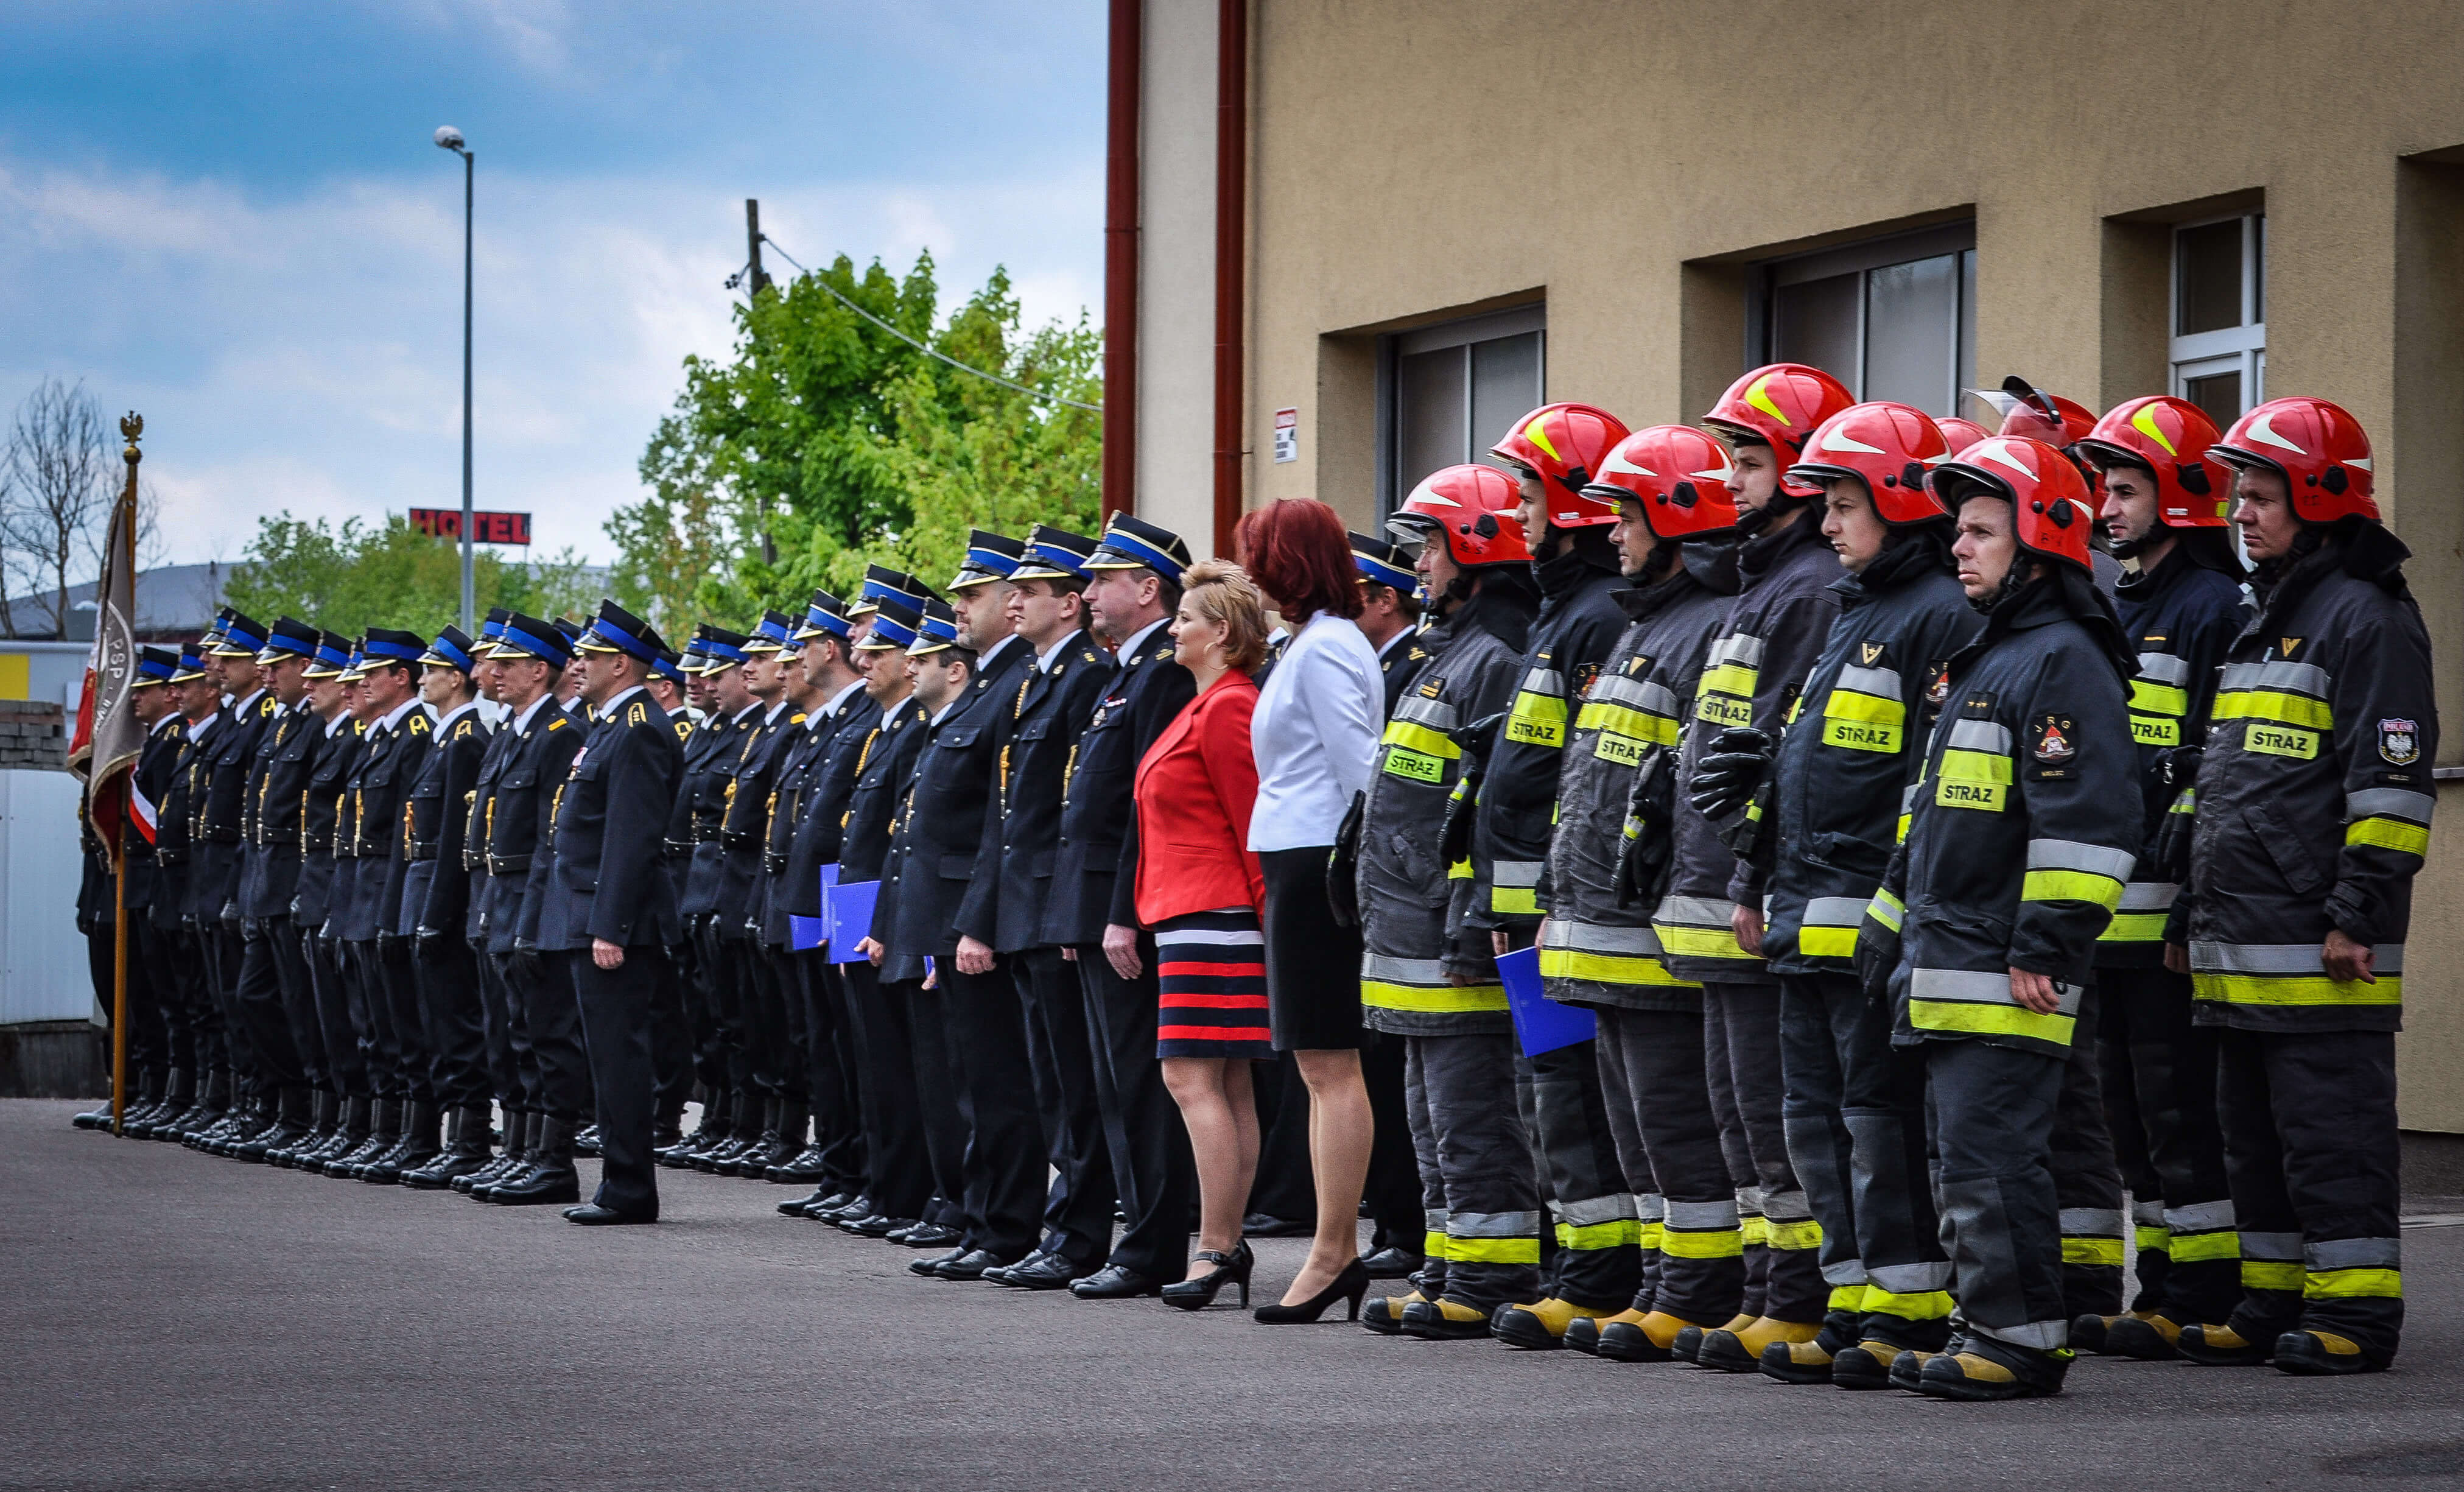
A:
(1450, 393)
(1892, 319)
(2219, 349)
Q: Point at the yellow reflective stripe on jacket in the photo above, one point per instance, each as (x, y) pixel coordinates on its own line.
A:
(1828, 929)
(1697, 928)
(1886, 909)
(1426, 999)
(1539, 714)
(1610, 955)
(1973, 780)
(1861, 722)
(2289, 974)
(2140, 915)
(1973, 1002)
(1420, 738)
(1624, 719)
(2389, 833)
(2276, 707)
(1514, 887)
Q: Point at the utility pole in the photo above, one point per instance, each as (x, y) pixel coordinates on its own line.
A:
(755, 282)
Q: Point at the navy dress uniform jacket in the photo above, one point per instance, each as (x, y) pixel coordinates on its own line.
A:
(885, 765)
(436, 889)
(941, 829)
(517, 829)
(610, 821)
(1006, 902)
(380, 788)
(1096, 869)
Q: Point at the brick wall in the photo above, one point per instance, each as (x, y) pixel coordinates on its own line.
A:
(32, 733)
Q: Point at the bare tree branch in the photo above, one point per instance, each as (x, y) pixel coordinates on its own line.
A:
(56, 482)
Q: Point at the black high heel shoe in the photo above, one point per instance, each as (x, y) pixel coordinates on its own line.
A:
(1348, 1287)
(1233, 1268)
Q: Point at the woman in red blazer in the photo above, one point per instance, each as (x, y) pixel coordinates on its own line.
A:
(1199, 888)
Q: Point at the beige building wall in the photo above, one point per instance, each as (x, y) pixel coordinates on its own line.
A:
(1176, 466)
(1624, 162)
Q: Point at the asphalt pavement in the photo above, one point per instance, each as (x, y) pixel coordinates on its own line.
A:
(174, 1321)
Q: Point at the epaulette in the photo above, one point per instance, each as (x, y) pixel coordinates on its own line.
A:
(418, 724)
(462, 729)
(265, 706)
(559, 722)
(1418, 653)
(1087, 655)
(637, 714)
(1162, 651)
(796, 719)
(358, 727)
(683, 728)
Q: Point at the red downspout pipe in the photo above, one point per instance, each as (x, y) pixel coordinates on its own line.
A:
(1124, 67)
(1231, 262)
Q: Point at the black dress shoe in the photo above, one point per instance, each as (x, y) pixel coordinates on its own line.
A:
(1260, 1225)
(999, 1274)
(1041, 1271)
(590, 1215)
(587, 1143)
(970, 1265)
(929, 1235)
(1393, 1263)
(931, 1267)
(1112, 1282)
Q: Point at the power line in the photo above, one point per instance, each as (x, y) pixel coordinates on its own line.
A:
(736, 279)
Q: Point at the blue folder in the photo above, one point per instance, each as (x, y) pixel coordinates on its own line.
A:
(814, 933)
(850, 906)
(1540, 1023)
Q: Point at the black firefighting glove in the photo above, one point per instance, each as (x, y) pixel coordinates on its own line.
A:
(1462, 807)
(1878, 946)
(525, 964)
(2170, 856)
(1648, 845)
(1343, 866)
(1730, 772)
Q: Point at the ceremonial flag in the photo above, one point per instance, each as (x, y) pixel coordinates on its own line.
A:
(108, 735)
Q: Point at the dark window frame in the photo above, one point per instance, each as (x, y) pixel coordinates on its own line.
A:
(1462, 332)
(1766, 278)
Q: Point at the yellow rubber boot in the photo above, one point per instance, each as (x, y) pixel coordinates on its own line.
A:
(1541, 1325)
(1731, 1350)
(1689, 1342)
(2220, 1347)
(1385, 1314)
(1583, 1332)
(1444, 1321)
(1651, 1340)
(2143, 1335)
(2312, 1354)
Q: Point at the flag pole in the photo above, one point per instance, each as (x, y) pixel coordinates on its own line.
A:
(125, 532)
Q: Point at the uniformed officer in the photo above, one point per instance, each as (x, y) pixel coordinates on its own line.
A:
(967, 662)
(1553, 453)
(218, 796)
(772, 935)
(508, 1047)
(435, 907)
(1133, 590)
(671, 1032)
(179, 969)
(164, 1083)
(1037, 729)
(914, 1138)
(1674, 525)
(697, 802)
(2312, 818)
(731, 1109)
(1854, 1105)
(610, 909)
(1428, 984)
(1390, 616)
(271, 994)
(341, 900)
(772, 1071)
(2165, 504)
(334, 731)
(2024, 833)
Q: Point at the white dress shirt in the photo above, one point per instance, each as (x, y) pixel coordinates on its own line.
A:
(1314, 733)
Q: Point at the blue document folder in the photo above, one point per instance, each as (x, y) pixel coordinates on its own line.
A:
(814, 933)
(849, 904)
(1540, 1023)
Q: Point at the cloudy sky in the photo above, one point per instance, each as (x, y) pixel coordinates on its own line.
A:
(231, 217)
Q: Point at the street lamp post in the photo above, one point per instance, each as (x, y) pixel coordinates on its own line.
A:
(450, 139)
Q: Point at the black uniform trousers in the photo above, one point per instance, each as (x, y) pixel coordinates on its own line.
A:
(368, 1012)
(546, 1038)
(831, 1085)
(178, 971)
(398, 1039)
(1651, 1065)
(712, 1043)
(1391, 1195)
(1993, 1115)
(454, 1021)
(330, 981)
(720, 956)
(224, 949)
(158, 947)
(1153, 1168)
(1003, 1170)
(2085, 1176)
(257, 1003)
(298, 999)
(497, 1024)
(774, 1065)
(899, 1170)
(2159, 1071)
(611, 1008)
(941, 1103)
(674, 1043)
(149, 1030)
(1855, 1107)
(2310, 1142)
(1060, 1063)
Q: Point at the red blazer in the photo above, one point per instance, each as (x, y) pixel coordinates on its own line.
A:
(1195, 790)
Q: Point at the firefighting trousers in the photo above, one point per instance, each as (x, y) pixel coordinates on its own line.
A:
(1992, 1119)
(1598, 1262)
(1741, 1039)
(1486, 1222)
(2160, 1099)
(2310, 1144)
(1856, 1113)
(1669, 1145)
(2085, 1176)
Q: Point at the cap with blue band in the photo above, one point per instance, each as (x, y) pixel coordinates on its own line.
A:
(1054, 554)
(240, 638)
(936, 631)
(669, 667)
(1135, 544)
(990, 557)
(722, 650)
(333, 657)
(1382, 563)
(616, 630)
(452, 649)
(156, 666)
(289, 638)
(384, 647)
(192, 665)
(530, 637)
(894, 628)
(825, 617)
(881, 582)
(773, 633)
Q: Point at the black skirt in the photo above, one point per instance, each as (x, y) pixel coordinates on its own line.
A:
(1312, 960)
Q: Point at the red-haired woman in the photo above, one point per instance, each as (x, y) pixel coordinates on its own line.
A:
(1315, 734)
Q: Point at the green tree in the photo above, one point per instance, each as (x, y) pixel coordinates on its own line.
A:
(356, 575)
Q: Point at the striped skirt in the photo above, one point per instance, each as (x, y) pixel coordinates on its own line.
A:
(1212, 969)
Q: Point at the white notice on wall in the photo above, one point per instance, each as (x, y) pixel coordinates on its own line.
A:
(1288, 434)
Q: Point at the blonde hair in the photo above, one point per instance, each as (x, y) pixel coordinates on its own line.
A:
(1222, 593)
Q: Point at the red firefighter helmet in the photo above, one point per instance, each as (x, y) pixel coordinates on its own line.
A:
(2322, 452)
(1680, 476)
(1473, 506)
(1779, 406)
(1563, 443)
(2047, 495)
(2169, 437)
(1961, 433)
(1889, 447)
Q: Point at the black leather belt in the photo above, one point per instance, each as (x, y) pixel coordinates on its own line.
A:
(508, 864)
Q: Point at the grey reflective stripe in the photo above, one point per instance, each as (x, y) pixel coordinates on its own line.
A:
(1695, 911)
(1787, 1207)
(1835, 911)
(2298, 677)
(1908, 796)
(1651, 1206)
(1911, 1279)
(2280, 1248)
(2044, 1336)
(1515, 873)
(1749, 1201)
(1737, 647)
(1980, 735)
(1881, 682)
(2091, 1222)
(1617, 1207)
(2148, 896)
(1591, 938)
(2200, 1217)
(2354, 1254)
(1543, 680)
(2149, 1215)
(1436, 714)
(1492, 1225)
(2282, 958)
(2164, 668)
(1642, 694)
(2390, 803)
(1387, 970)
(1846, 1272)
(1980, 989)
(1702, 1216)
(1434, 1219)
(2076, 855)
